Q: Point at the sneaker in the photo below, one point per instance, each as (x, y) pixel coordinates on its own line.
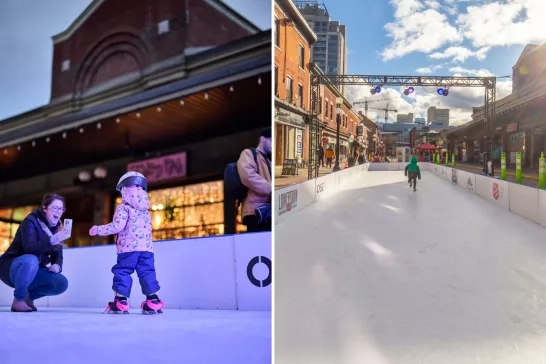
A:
(20, 306)
(152, 305)
(120, 306)
(30, 303)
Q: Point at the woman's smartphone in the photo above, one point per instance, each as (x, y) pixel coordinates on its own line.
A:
(68, 227)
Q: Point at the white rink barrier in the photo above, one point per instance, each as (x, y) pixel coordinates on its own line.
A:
(525, 201)
(296, 197)
(215, 273)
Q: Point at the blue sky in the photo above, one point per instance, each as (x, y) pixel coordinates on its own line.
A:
(437, 37)
(26, 28)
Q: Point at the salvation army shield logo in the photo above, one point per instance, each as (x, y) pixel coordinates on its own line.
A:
(496, 191)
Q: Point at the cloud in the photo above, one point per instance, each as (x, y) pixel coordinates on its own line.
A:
(460, 99)
(426, 26)
(429, 69)
(460, 54)
(416, 29)
(496, 24)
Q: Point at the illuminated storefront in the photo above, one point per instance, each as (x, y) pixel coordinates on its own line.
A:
(10, 219)
(191, 211)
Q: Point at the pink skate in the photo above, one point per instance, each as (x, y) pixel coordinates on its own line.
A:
(120, 305)
(152, 305)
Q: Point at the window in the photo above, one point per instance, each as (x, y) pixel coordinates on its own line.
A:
(326, 108)
(10, 219)
(277, 33)
(320, 105)
(331, 111)
(163, 27)
(188, 211)
(300, 95)
(302, 56)
(276, 75)
(65, 65)
(289, 89)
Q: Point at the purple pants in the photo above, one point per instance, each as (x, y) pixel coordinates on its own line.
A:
(143, 263)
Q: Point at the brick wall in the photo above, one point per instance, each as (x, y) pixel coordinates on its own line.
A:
(287, 61)
(121, 37)
(348, 122)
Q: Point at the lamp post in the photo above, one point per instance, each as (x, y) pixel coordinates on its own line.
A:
(339, 102)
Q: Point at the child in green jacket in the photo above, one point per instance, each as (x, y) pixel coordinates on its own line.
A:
(412, 171)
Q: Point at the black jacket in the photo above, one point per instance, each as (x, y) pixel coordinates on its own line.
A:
(30, 238)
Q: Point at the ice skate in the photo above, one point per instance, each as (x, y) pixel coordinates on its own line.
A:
(152, 305)
(119, 306)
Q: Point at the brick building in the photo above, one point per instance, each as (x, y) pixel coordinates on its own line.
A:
(147, 85)
(519, 124)
(292, 38)
(328, 111)
(373, 140)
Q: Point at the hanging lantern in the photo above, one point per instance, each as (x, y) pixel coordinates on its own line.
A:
(84, 176)
(100, 172)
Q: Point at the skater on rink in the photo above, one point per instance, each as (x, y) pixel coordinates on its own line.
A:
(133, 224)
(412, 171)
(38, 242)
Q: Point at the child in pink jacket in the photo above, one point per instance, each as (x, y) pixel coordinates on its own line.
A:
(133, 224)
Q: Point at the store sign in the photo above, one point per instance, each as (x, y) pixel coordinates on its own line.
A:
(299, 141)
(510, 128)
(162, 168)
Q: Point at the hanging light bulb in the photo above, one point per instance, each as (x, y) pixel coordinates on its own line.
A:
(33, 143)
(206, 96)
(18, 148)
(182, 102)
(158, 109)
(5, 151)
(137, 114)
(81, 130)
(64, 135)
(118, 120)
(231, 88)
(259, 80)
(47, 140)
(99, 125)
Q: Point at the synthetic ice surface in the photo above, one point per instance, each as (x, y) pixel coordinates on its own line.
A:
(81, 336)
(383, 275)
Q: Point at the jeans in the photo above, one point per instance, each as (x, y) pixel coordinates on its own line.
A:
(252, 225)
(127, 263)
(27, 276)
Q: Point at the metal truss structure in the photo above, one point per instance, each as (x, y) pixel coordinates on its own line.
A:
(445, 82)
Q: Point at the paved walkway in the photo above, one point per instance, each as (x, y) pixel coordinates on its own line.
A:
(301, 177)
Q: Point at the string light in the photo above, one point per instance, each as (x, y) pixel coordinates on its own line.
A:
(33, 143)
(47, 140)
(118, 120)
(99, 125)
(158, 109)
(137, 114)
(231, 88)
(206, 96)
(5, 151)
(81, 130)
(182, 102)
(64, 135)
(259, 80)
(18, 148)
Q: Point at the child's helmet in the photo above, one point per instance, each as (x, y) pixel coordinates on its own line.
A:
(132, 179)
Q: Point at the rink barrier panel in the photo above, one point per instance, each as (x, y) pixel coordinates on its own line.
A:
(528, 202)
(291, 199)
(229, 272)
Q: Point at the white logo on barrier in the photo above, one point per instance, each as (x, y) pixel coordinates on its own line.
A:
(320, 188)
(469, 185)
(288, 201)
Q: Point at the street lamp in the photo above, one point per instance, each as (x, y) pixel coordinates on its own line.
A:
(339, 102)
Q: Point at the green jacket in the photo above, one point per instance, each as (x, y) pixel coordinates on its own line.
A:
(413, 167)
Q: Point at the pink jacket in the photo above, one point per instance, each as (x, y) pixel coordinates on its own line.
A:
(132, 222)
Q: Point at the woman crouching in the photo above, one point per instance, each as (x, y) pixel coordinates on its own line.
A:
(37, 243)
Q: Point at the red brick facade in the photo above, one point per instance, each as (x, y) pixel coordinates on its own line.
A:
(288, 64)
(121, 37)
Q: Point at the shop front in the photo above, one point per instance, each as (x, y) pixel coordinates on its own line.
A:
(180, 135)
(290, 136)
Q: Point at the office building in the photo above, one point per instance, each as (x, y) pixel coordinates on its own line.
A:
(330, 51)
(438, 116)
(404, 118)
